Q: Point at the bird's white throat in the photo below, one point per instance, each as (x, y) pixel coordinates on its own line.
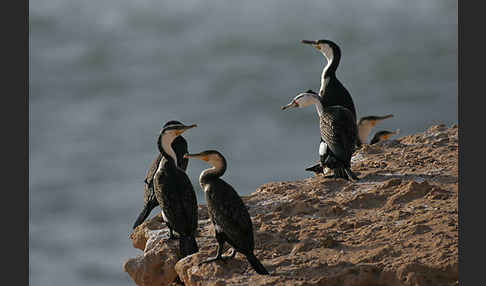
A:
(167, 140)
(329, 55)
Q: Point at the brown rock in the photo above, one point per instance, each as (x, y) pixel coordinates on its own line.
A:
(156, 265)
(409, 192)
(140, 234)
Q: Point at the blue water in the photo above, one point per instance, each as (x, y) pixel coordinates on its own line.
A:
(106, 75)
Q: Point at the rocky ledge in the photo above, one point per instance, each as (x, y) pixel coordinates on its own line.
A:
(398, 225)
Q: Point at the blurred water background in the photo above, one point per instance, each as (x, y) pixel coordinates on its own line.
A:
(106, 75)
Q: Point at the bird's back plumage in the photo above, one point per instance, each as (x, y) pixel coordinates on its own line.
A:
(338, 130)
(230, 215)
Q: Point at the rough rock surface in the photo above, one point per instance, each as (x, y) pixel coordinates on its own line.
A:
(398, 225)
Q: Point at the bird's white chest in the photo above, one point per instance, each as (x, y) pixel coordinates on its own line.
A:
(322, 148)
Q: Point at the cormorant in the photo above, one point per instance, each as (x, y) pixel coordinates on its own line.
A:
(175, 193)
(228, 213)
(338, 133)
(383, 135)
(365, 124)
(150, 201)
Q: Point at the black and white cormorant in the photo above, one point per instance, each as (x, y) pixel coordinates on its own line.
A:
(175, 193)
(338, 133)
(383, 135)
(228, 213)
(150, 201)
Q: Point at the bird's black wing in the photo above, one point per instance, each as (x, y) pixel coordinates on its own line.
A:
(339, 131)
(171, 194)
(149, 194)
(189, 200)
(336, 94)
(230, 214)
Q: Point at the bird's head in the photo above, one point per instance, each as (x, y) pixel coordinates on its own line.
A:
(328, 48)
(303, 99)
(213, 157)
(372, 120)
(387, 134)
(172, 129)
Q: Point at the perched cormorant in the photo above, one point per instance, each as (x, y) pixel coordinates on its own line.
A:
(383, 135)
(150, 201)
(338, 133)
(175, 193)
(228, 213)
(365, 124)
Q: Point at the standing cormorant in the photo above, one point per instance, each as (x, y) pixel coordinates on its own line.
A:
(338, 133)
(175, 193)
(150, 201)
(383, 135)
(228, 213)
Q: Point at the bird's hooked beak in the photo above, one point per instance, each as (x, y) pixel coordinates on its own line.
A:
(185, 128)
(197, 156)
(315, 44)
(292, 104)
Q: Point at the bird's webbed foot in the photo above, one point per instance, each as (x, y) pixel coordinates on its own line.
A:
(219, 255)
(232, 255)
(172, 236)
(216, 258)
(333, 176)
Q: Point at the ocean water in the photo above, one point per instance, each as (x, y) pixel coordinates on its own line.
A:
(106, 75)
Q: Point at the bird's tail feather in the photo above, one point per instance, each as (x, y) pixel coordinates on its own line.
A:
(188, 245)
(340, 173)
(255, 264)
(143, 215)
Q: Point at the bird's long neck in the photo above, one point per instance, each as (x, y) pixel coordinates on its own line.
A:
(165, 147)
(363, 132)
(329, 70)
(216, 171)
(317, 102)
